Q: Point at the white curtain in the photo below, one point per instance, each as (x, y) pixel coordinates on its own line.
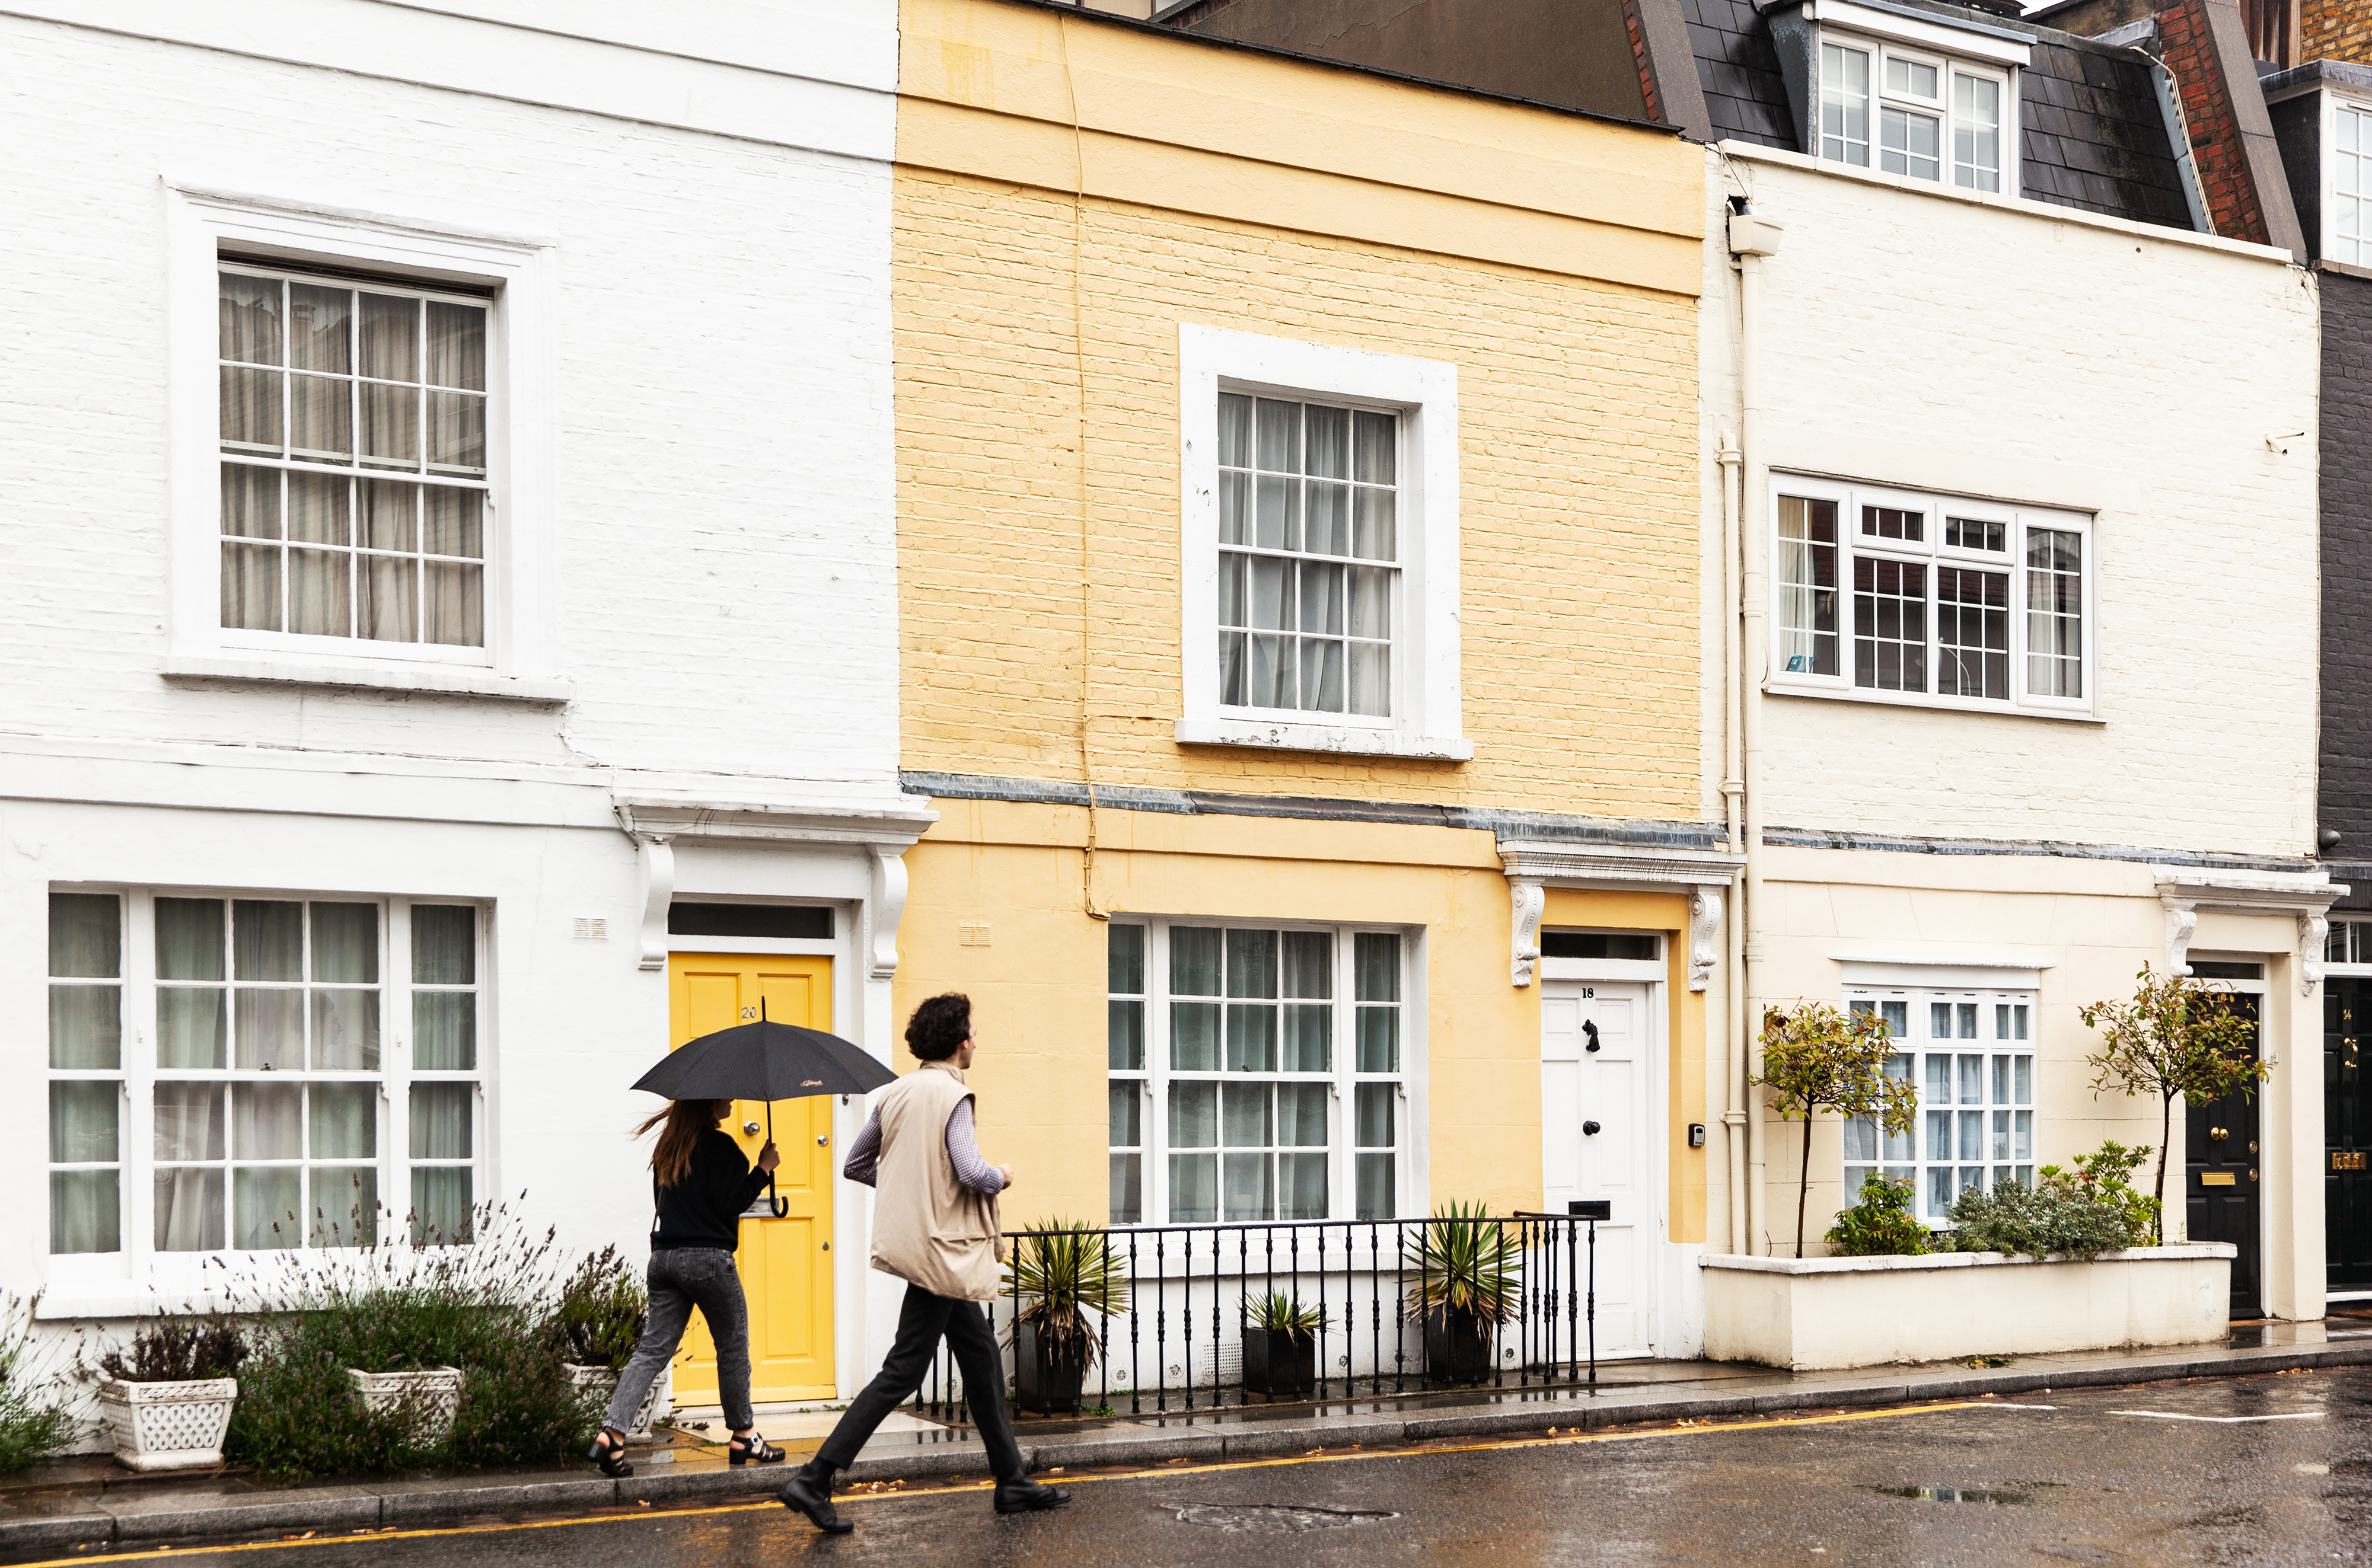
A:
(191, 1020)
(188, 1200)
(85, 1206)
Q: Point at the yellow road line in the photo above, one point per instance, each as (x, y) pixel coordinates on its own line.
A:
(356, 1537)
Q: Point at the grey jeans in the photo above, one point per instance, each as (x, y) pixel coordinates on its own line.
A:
(681, 1279)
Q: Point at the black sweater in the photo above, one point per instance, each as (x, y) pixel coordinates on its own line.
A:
(704, 1208)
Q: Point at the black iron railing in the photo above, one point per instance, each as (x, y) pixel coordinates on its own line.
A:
(1387, 1296)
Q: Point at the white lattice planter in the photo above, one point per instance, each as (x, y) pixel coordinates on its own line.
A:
(169, 1426)
(434, 1394)
(658, 1399)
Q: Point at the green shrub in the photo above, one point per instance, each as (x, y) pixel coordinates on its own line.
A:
(33, 1393)
(398, 1304)
(2103, 1174)
(1464, 1262)
(178, 1350)
(1282, 1314)
(1881, 1223)
(597, 1317)
(518, 1406)
(2057, 1217)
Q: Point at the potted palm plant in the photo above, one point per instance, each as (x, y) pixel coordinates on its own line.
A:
(594, 1325)
(1280, 1345)
(1467, 1275)
(168, 1396)
(1061, 1271)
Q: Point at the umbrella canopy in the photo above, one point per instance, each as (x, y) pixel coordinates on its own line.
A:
(768, 1062)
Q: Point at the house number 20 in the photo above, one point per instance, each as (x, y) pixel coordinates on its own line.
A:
(748, 1012)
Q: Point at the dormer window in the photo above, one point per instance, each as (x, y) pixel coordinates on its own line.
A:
(1934, 117)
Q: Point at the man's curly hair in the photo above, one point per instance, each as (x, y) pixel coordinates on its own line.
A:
(939, 1027)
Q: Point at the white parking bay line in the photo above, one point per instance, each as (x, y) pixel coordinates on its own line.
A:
(2223, 1419)
(2004, 1405)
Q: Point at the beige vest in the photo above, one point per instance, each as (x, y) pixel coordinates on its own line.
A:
(928, 1229)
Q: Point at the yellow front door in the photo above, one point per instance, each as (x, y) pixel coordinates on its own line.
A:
(785, 1262)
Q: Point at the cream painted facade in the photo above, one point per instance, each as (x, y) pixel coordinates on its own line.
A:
(1099, 232)
(1920, 349)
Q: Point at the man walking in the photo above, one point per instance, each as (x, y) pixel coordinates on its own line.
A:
(936, 1227)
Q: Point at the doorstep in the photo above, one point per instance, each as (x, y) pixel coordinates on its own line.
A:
(88, 1502)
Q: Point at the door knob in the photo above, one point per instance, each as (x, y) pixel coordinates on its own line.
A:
(1589, 1129)
(2217, 1135)
(825, 1141)
(750, 1128)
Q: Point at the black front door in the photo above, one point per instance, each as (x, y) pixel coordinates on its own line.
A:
(2220, 1183)
(2347, 1131)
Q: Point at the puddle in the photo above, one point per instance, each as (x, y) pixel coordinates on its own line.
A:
(1273, 1518)
(1954, 1494)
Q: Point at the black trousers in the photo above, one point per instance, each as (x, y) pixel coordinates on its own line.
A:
(922, 1320)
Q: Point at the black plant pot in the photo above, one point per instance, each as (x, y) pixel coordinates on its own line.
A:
(1049, 1380)
(1456, 1346)
(1280, 1363)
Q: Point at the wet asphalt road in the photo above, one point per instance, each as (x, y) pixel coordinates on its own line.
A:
(2006, 1483)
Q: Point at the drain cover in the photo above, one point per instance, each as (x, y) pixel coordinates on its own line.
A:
(1274, 1518)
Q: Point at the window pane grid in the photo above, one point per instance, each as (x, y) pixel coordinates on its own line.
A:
(1914, 115)
(1308, 552)
(1971, 1056)
(1232, 1108)
(267, 1088)
(2351, 186)
(339, 405)
(1926, 619)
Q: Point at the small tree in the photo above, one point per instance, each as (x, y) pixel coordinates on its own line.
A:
(2178, 1036)
(1818, 1059)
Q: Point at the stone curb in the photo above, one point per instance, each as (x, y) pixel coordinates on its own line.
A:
(416, 1503)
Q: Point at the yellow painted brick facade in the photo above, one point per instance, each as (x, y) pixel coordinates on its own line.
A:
(1039, 607)
(1068, 192)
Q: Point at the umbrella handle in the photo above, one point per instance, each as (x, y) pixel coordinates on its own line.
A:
(780, 1206)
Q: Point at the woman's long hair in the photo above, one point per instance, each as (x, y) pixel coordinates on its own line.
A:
(688, 1121)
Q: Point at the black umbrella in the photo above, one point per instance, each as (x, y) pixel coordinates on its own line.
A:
(769, 1062)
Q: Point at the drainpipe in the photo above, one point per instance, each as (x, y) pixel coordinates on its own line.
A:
(1750, 239)
(1733, 803)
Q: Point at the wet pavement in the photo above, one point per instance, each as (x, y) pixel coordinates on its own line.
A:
(2267, 1470)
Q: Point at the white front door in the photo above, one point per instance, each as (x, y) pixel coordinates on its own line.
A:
(1594, 1038)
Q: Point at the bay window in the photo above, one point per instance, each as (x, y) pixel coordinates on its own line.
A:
(1902, 597)
(297, 1067)
(2347, 227)
(1971, 1056)
(1256, 1073)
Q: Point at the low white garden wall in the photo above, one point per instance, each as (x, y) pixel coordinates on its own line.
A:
(1812, 1313)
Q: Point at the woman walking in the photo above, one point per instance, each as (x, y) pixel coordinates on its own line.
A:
(700, 1184)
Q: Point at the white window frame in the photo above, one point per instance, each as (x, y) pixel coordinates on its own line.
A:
(188, 1276)
(1918, 1040)
(1950, 50)
(1425, 718)
(204, 228)
(2333, 106)
(1850, 498)
(1410, 1181)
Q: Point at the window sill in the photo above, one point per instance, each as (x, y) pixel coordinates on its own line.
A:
(1343, 740)
(445, 680)
(1929, 704)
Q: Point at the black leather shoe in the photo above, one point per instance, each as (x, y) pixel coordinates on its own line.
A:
(815, 1501)
(1028, 1497)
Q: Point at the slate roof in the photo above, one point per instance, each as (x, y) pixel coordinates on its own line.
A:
(2092, 133)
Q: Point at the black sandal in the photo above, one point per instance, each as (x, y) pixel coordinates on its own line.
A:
(752, 1450)
(609, 1451)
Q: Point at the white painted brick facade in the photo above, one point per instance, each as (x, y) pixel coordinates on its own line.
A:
(2004, 349)
(712, 186)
